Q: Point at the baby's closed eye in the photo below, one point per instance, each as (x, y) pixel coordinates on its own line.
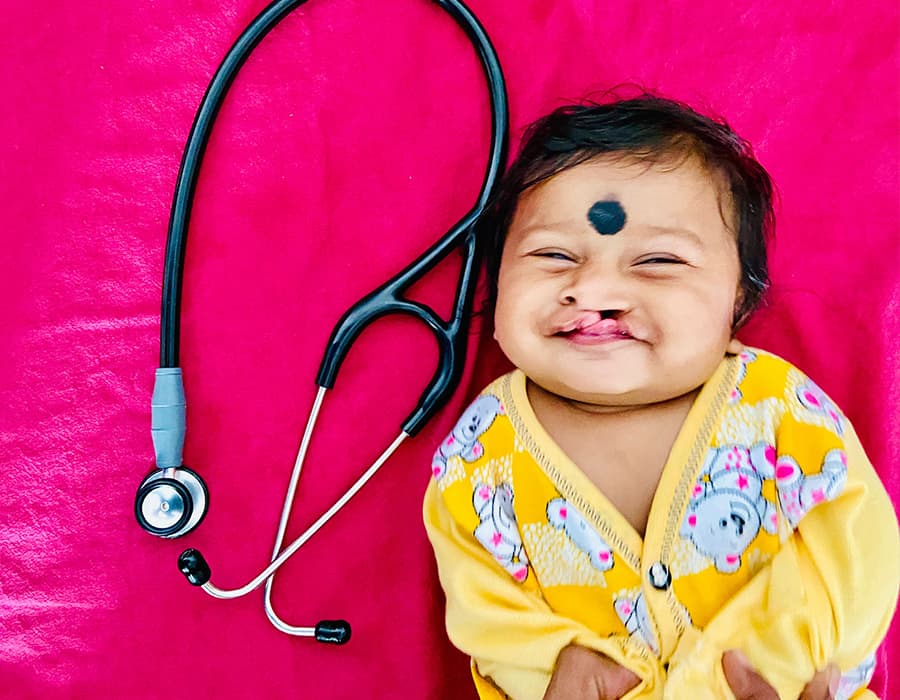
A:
(660, 259)
(554, 255)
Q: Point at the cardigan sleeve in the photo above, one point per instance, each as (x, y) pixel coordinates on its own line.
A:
(512, 635)
(827, 595)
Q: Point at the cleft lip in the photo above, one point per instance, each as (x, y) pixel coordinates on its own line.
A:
(591, 325)
(581, 320)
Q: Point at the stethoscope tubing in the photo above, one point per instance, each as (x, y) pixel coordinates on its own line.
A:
(385, 296)
(186, 183)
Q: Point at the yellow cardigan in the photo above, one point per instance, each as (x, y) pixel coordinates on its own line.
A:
(769, 532)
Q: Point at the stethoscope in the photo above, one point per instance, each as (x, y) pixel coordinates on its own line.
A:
(173, 499)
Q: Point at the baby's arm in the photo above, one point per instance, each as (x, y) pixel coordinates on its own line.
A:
(827, 595)
(512, 635)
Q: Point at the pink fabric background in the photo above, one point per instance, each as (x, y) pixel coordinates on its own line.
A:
(354, 137)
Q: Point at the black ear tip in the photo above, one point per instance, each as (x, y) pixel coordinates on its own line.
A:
(194, 567)
(333, 631)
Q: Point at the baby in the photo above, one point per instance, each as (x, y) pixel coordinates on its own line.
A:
(642, 487)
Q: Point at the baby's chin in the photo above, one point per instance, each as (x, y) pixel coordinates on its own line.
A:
(612, 399)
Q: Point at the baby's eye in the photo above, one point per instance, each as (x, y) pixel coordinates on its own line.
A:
(554, 255)
(660, 260)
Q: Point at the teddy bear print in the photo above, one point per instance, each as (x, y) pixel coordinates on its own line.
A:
(727, 508)
(632, 611)
(856, 678)
(799, 493)
(463, 439)
(745, 358)
(564, 517)
(814, 399)
(498, 531)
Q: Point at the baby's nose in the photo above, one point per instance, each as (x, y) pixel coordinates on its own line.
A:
(597, 287)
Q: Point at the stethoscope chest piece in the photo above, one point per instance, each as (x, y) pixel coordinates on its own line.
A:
(171, 502)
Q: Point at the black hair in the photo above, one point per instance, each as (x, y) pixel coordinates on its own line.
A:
(646, 129)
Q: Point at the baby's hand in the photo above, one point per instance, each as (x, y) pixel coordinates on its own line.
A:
(582, 674)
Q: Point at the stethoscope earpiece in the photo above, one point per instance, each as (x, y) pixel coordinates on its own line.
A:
(333, 631)
(194, 567)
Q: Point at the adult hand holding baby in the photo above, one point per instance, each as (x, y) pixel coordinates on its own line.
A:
(747, 684)
(583, 673)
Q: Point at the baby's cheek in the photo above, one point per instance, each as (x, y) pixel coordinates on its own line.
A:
(721, 317)
(706, 333)
(505, 339)
(716, 299)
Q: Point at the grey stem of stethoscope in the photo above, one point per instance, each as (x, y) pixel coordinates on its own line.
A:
(280, 556)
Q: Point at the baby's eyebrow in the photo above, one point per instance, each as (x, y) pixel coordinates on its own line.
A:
(545, 227)
(675, 231)
(645, 231)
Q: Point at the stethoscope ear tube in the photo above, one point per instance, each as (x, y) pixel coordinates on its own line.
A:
(451, 335)
(192, 564)
(451, 345)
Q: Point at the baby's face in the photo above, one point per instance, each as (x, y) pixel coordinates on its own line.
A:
(627, 318)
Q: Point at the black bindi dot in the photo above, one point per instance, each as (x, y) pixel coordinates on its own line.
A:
(607, 217)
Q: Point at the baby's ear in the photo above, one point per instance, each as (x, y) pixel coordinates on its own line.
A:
(734, 347)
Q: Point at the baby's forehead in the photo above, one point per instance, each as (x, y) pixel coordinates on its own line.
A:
(620, 194)
(631, 174)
